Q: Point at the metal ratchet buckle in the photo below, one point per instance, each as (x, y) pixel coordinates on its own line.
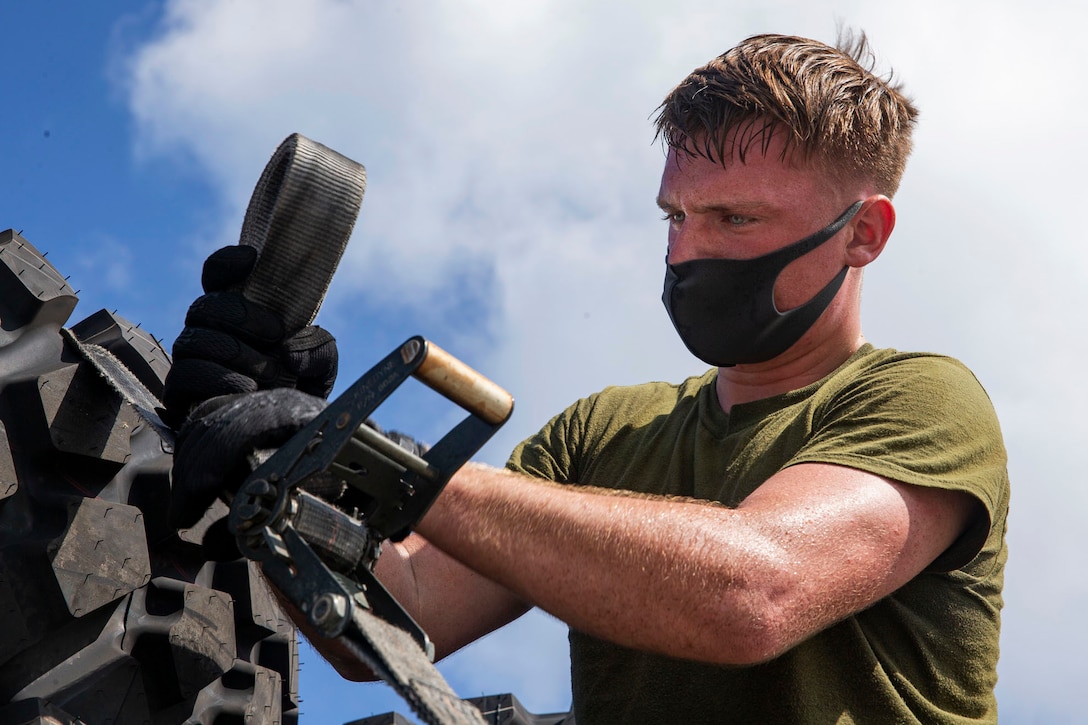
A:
(320, 556)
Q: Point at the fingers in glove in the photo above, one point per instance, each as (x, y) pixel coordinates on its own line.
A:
(228, 268)
(193, 381)
(198, 343)
(310, 356)
(208, 363)
(212, 449)
(233, 314)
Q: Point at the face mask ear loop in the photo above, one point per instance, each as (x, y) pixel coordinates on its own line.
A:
(787, 254)
(803, 247)
(800, 248)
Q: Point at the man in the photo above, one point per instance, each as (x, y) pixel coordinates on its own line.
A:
(813, 531)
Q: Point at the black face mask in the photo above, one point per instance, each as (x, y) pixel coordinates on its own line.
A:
(724, 308)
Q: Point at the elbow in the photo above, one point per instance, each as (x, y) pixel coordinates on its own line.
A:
(757, 636)
(761, 646)
(757, 622)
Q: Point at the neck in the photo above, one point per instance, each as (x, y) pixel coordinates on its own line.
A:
(827, 345)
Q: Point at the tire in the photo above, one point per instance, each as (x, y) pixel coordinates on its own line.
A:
(109, 615)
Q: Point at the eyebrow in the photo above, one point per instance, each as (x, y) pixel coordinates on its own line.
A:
(733, 208)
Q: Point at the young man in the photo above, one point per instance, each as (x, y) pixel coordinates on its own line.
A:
(813, 531)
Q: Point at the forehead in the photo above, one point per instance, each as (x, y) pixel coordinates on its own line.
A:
(766, 175)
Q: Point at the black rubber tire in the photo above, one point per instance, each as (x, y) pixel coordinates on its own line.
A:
(109, 615)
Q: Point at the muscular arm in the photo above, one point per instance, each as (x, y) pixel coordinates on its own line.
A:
(733, 586)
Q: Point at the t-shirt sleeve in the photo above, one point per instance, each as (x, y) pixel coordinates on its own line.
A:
(548, 453)
(923, 420)
(598, 431)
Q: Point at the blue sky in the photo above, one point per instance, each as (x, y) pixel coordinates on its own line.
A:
(73, 186)
(509, 216)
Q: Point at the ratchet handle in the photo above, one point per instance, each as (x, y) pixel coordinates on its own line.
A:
(387, 486)
(452, 378)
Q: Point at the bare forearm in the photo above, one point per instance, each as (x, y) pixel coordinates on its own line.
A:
(452, 603)
(649, 573)
(812, 545)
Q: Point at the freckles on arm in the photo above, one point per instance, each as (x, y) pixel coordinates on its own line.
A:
(694, 580)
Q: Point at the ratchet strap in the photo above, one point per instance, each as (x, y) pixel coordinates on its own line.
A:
(299, 219)
(396, 658)
(320, 556)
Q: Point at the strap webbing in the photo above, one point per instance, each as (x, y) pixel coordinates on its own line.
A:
(300, 218)
(392, 654)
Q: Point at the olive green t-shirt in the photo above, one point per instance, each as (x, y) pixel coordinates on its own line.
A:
(927, 653)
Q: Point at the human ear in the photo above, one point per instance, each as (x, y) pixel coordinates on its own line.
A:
(872, 225)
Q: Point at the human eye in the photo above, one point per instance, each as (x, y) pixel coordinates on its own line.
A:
(737, 220)
(672, 216)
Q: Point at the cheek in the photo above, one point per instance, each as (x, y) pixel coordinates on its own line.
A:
(803, 278)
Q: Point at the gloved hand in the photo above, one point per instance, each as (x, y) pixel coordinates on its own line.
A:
(232, 345)
(211, 454)
(213, 449)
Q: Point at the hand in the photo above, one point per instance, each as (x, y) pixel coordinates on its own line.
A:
(231, 345)
(213, 449)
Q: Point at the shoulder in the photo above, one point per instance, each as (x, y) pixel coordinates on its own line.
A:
(875, 361)
(915, 396)
(907, 383)
(917, 418)
(914, 417)
(590, 422)
(645, 398)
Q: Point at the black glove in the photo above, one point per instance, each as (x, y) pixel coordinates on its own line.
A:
(232, 345)
(213, 448)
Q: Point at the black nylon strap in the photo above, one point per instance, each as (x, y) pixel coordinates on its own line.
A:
(299, 219)
(396, 657)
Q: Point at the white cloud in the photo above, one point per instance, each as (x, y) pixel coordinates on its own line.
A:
(512, 141)
(109, 262)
